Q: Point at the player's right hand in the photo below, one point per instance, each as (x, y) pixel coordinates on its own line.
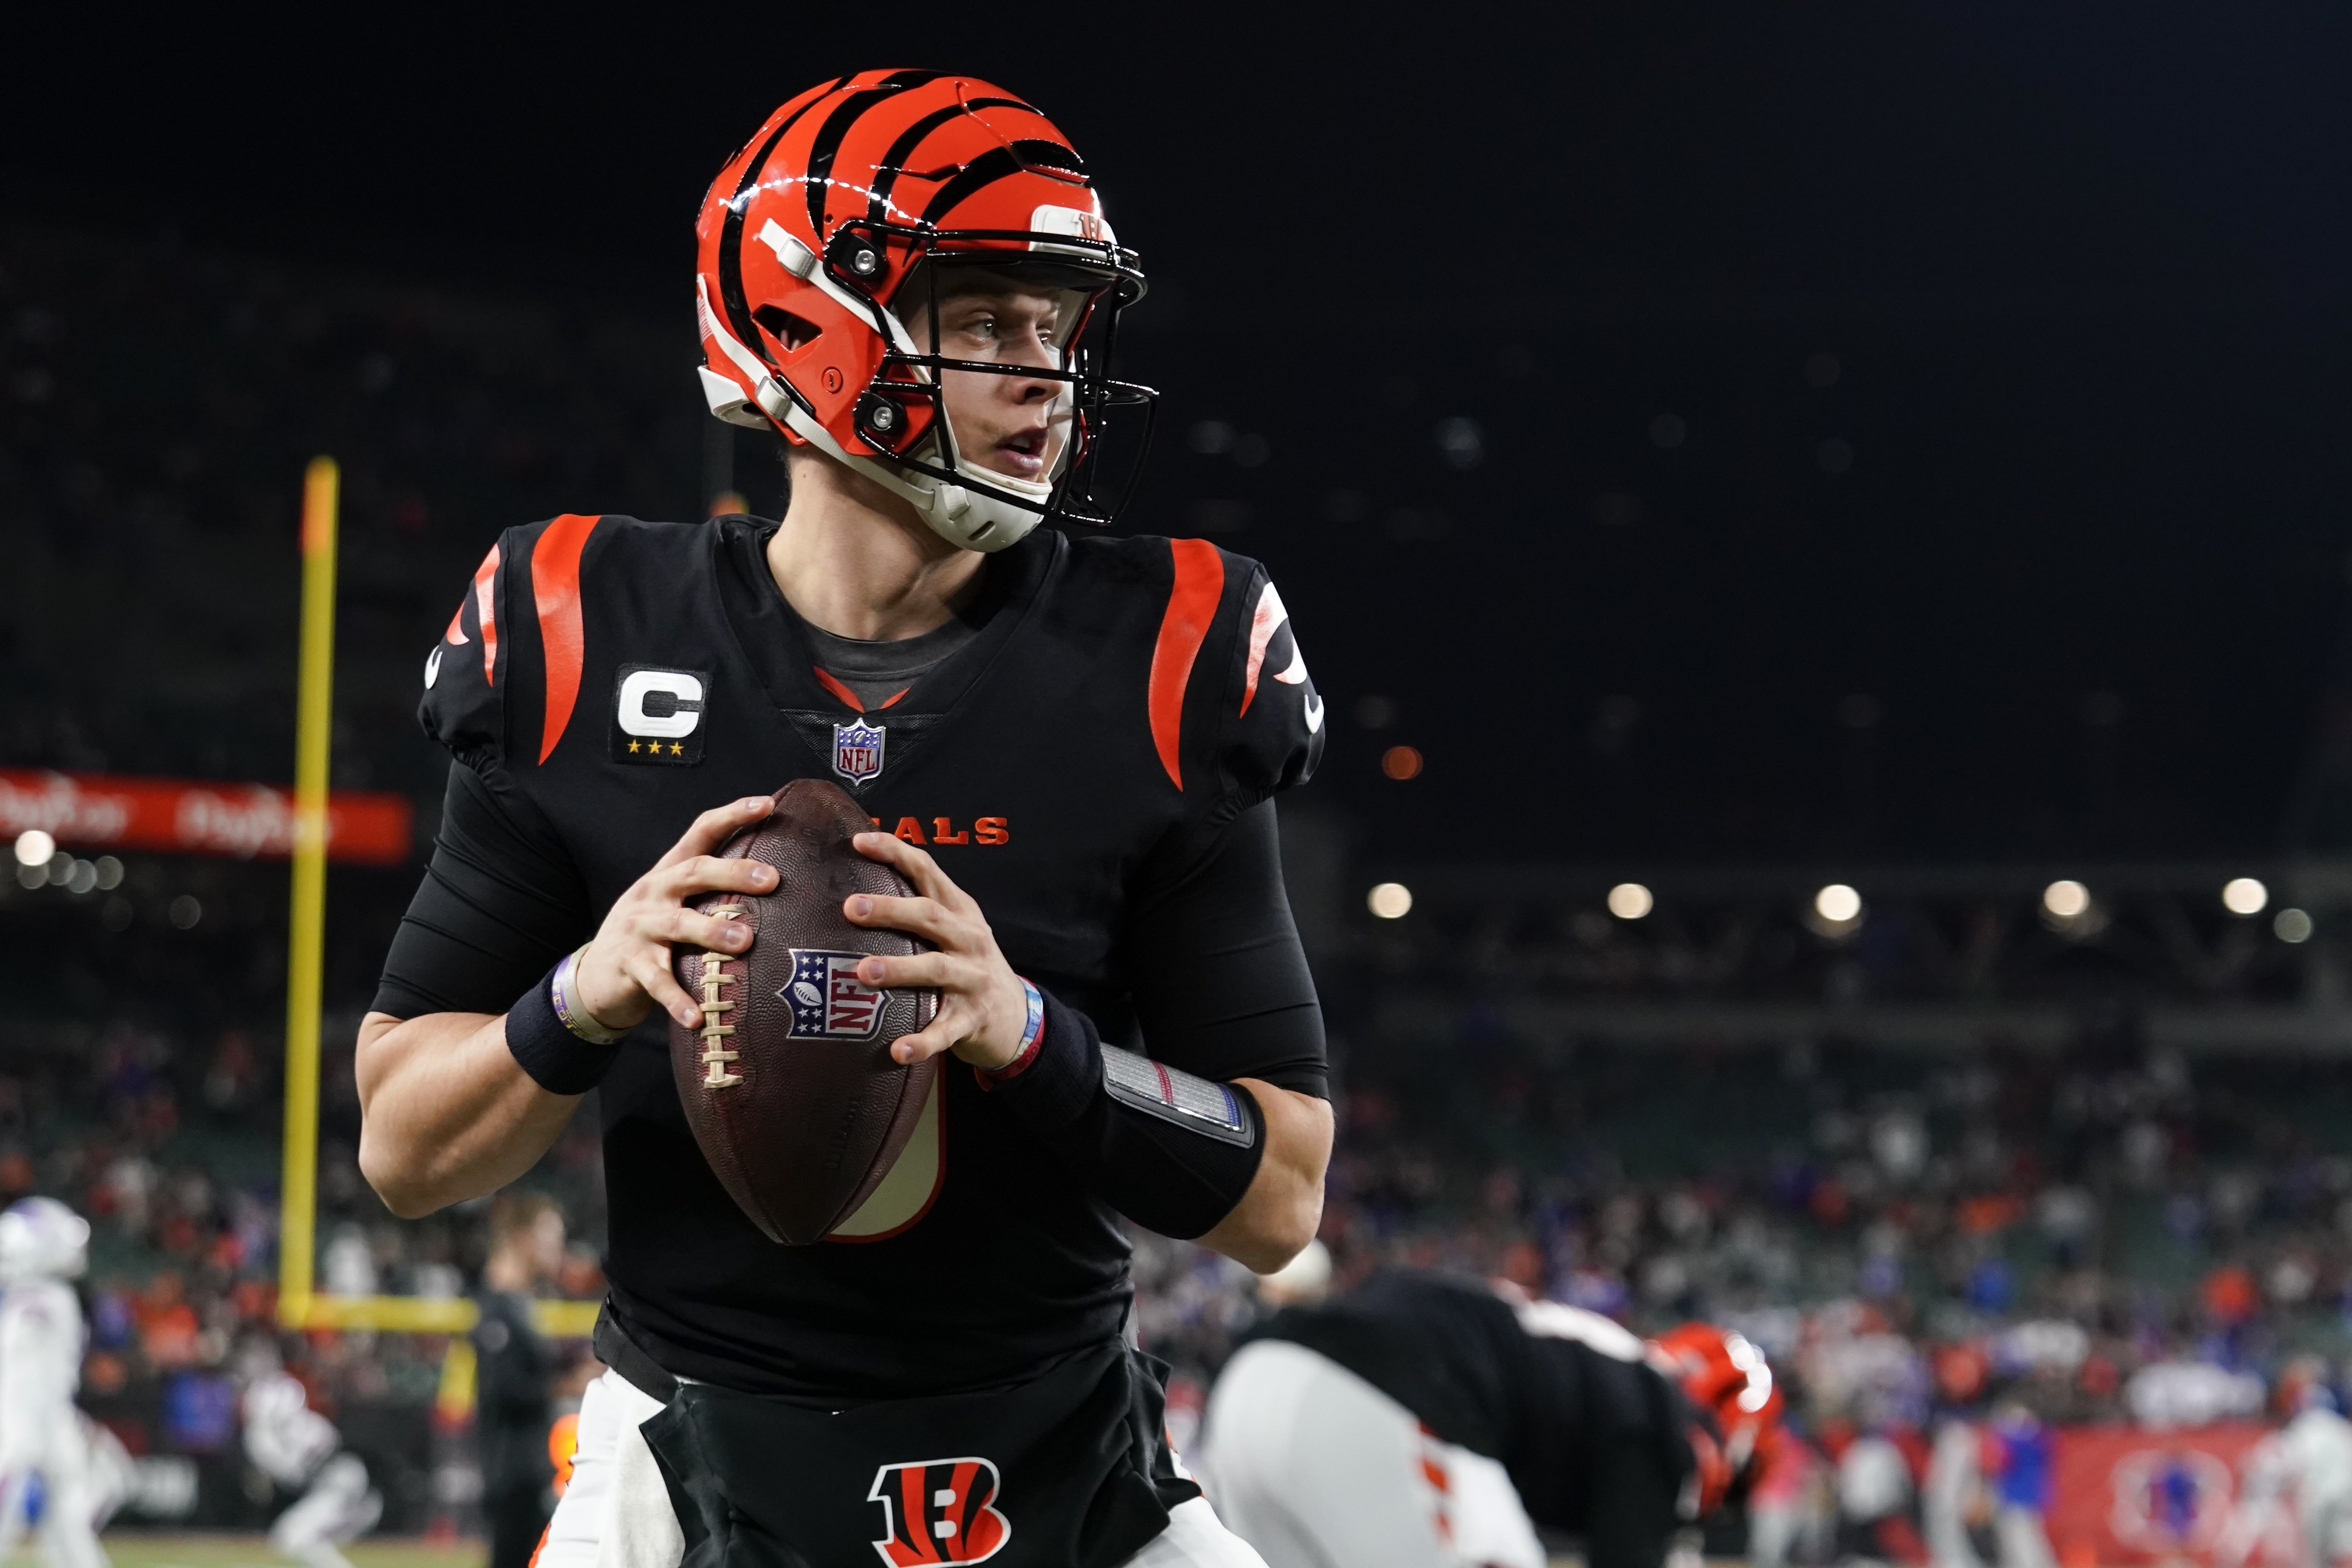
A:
(625, 973)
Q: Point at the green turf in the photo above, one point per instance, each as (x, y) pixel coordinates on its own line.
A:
(139, 1548)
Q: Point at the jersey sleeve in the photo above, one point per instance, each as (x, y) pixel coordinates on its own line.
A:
(501, 898)
(1219, 979)
(1269, 735)
(467, 673)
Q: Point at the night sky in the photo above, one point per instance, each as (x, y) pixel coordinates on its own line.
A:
(1894, 431)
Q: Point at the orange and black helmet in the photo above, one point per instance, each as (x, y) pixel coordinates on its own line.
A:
(1726, 1379)
(807, 247)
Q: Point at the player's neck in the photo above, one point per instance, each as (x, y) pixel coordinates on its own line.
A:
(855, 560)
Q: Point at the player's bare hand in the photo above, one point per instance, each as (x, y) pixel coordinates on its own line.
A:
(625, 973)
(982, 1007)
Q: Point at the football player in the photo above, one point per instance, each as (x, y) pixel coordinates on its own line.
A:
(2298, 1479)
(44, 1243)
(1421, 1421)
(329, 1502)
(1069, 743)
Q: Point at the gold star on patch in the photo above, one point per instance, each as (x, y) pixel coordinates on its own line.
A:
(632, 746)
(678, 748)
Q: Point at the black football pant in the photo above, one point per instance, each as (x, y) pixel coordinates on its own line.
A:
(516, 1519)
(1632, 1518)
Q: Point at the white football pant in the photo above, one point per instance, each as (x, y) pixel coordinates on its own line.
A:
(1316, 1469)
(615, 1512)
(40, 1430)
(337, 1506)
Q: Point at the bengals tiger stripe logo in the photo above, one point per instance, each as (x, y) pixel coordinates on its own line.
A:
(938, 1511)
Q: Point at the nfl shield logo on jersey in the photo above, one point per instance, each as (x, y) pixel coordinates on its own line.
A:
(857, 750)
(827, 999)
(937, 1511)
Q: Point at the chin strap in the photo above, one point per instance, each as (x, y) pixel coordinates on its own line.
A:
(967, 516)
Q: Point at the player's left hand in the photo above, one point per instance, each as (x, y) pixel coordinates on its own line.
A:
(982, 1006)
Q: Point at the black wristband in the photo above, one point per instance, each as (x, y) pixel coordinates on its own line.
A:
(558, 1060)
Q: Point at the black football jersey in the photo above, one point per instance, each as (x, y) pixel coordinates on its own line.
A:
(1546, 1389)
(1123, 700)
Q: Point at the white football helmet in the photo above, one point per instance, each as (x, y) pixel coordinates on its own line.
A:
(40, 1238)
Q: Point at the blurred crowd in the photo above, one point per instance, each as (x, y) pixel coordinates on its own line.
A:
(2005, 1244)
(169, 1146)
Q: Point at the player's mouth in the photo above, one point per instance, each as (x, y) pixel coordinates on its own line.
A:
(1023, 453)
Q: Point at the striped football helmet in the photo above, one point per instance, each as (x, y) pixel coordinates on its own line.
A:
(805, 250)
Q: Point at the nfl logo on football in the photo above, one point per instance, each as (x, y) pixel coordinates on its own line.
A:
(857, 750)
(827, 999)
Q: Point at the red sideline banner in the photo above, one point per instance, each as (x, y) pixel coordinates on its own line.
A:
(2123, 1495)
(188, 818)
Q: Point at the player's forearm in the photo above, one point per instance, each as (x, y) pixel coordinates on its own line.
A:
(1278, 1215)
(446, 1111)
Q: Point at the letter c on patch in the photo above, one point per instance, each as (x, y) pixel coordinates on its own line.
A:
(662, 704)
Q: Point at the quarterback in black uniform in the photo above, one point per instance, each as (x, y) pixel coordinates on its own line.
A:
(1069, 743)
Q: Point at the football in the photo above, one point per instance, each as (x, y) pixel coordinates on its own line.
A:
(789, 1083)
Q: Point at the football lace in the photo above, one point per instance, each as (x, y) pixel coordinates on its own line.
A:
(715, 1056)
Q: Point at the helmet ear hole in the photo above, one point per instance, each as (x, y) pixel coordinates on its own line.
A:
(794, 332)
(883, 420)
(857, 256)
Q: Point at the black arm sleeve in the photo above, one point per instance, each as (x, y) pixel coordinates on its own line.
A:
(1220, 982)
(500, 903)
(1164, 1177)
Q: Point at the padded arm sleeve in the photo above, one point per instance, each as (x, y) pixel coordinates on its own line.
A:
(1117, 1122)
(500, 903)
(1220, 981)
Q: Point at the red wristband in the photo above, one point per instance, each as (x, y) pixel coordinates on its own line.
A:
(1033, 1035)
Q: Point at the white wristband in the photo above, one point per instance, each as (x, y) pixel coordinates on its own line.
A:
(563, 994)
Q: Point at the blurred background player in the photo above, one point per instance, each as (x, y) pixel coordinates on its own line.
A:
(2298, 1482)
(300, 1451)
(1422, 1421)
(2018, 1447)
(513, 1376)
(1951, 1497)
(43, 1244)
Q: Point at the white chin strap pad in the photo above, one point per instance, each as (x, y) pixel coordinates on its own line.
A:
(966, 518)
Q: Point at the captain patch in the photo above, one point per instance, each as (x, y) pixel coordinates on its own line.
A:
(658, 714)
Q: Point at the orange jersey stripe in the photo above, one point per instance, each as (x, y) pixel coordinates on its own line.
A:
(486, 577)
(555, 589)
(838, 689)
(1192, 606)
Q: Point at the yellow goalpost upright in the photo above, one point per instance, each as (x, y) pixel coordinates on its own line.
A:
(301, 1305)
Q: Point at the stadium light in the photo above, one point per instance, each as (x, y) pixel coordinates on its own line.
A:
(1838, 904)
(2292, 925)
(1630, 901)
(2066, 899)
(1390, 901)
(34, 848)
(2244, 895)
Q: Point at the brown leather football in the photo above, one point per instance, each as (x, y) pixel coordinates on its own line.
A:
(789, 1084)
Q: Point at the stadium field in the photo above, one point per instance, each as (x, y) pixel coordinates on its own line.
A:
(141, 1549)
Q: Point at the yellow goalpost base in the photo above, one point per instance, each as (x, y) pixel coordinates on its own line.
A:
(423, 1315)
